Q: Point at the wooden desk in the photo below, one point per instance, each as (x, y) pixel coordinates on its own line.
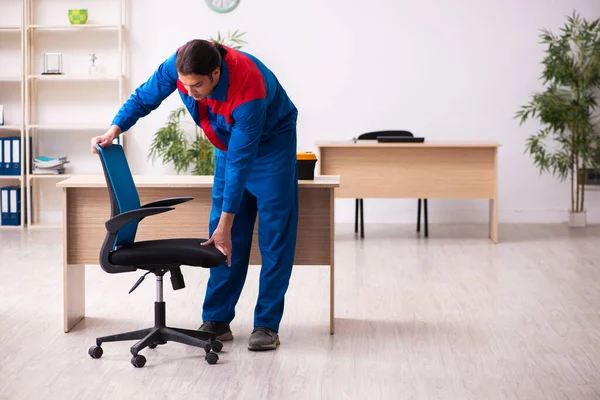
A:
(446, 170)
(86, 208)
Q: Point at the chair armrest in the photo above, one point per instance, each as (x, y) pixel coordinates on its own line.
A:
(118, 221)
(168, 202)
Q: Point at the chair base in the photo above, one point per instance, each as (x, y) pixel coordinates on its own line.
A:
(161, 334)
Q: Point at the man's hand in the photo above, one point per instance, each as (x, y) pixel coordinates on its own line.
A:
(221, 237)
(106, 139)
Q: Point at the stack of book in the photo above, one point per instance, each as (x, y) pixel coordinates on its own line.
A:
(49, 166)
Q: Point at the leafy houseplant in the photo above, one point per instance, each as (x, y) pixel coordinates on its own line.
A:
(172, 143)
(566, 108)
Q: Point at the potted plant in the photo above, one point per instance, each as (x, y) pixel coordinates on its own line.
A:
(566, 108)
(173, 144)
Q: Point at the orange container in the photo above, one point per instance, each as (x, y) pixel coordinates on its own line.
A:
(306, 165)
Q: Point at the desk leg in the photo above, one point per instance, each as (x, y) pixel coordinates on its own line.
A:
(332, 260)
(331, 299)
(494, 220)
(73, 295)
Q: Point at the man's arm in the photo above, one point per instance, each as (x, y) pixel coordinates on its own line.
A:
(249, 120)
(149, 95)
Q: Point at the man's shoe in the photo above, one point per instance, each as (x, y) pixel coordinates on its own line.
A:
(263, 339)
(221, 329)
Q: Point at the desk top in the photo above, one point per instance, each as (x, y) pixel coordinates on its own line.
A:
(374, 143)
(177, 181)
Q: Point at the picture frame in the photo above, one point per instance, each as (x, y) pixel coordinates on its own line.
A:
(53, 64)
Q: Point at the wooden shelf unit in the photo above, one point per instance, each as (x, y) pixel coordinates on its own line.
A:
(12, 85)
(35, 127)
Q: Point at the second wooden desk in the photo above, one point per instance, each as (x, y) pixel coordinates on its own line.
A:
(446, 170)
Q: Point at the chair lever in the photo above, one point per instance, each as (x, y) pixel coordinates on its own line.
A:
(177, 279)
(138, 282)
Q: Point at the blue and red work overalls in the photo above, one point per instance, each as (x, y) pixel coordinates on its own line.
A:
(252, 124)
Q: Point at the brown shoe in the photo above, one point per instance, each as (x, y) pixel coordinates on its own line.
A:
(263, 339)
(221, 329)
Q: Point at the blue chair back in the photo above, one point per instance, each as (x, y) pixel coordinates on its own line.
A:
(123, 193)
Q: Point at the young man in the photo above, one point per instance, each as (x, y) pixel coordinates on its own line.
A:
(248, 117)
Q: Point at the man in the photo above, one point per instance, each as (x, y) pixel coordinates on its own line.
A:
(248, 117)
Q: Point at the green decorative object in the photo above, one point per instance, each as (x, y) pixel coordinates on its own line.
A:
(568, 142)
(172, 144)
(78, 17)
(222, 6)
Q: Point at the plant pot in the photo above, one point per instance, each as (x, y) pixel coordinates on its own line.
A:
(78, 16)
(577, 219)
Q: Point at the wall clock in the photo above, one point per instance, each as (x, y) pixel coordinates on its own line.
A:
(222, 6)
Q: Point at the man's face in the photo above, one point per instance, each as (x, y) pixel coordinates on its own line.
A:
(200, 86)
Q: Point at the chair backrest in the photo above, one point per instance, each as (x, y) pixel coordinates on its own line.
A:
(121, 188)
(374, 135)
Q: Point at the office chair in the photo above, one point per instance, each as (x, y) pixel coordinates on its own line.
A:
(359, 204)
(120, 253)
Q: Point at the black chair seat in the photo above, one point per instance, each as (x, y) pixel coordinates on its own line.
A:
(164, 252)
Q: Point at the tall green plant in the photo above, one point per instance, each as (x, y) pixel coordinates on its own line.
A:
(233, 40)
(566, 107)
(171, 142)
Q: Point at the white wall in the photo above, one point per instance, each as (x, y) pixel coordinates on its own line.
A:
(443, 69)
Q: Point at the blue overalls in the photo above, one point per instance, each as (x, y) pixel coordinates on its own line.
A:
(252, 123)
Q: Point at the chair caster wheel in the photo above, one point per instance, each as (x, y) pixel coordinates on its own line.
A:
(216, 346)
(138, 361)
(95, 351)
(152, 346)
(211, 358)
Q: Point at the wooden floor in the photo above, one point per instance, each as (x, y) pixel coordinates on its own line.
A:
(449, 317)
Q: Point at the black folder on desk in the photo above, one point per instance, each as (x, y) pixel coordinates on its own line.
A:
(400, 139)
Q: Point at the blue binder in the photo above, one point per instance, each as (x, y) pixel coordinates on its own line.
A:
(15, 162)
(6, 155)
(14, 205)
(2, 156)
(4, 206)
